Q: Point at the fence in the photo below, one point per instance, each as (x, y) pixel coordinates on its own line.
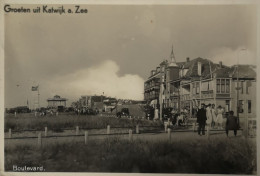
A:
(131, 131)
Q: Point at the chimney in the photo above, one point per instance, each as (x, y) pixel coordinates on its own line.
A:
(187, 59)
(199, 68)
(220, 64)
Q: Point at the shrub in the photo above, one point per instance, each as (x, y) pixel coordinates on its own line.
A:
(219, 156)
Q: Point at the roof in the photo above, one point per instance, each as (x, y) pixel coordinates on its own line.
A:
(244, 71)
(219, 71)
(172, 64)
(209, 68)
(56, 98)
(165, 62)
(223, 72)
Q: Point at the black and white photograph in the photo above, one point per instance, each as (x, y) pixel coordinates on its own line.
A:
(130, 88)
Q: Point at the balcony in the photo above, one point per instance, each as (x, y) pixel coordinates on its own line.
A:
(195, 96)
(151, 97)
(152, 86)
(185, 97)
(207, 94)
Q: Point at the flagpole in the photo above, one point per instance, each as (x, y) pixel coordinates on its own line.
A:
(38, 97)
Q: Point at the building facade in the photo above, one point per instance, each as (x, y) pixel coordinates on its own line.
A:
(56, 102)
(152, 90)
(186, 85)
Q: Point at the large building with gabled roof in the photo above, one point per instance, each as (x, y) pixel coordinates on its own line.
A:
(186, 85)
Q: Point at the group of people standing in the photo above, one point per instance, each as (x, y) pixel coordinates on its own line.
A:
(210, 116)
(214, 117)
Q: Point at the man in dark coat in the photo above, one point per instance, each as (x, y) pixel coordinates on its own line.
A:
(232, 123)
(201, 119)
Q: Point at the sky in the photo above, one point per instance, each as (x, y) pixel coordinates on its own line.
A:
(113, 48)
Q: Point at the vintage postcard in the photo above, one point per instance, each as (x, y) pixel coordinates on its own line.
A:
(124, 87)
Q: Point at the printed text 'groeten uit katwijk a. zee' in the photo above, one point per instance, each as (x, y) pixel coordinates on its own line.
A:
(45, 9)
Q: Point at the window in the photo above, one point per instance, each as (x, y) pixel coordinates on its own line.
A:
(222, 85)
(193, 88)
(248, 84)
(227, 105)
(240, 106)
(249, 106)
(227, 85)
(175, 105)
(197, 88)
(162, 69)
(218, 85)
(242, 87)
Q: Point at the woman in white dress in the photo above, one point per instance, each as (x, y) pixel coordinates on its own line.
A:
(219, 119)
(214, 116)
(209, 115)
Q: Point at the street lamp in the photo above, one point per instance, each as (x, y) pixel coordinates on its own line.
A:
(237, 87)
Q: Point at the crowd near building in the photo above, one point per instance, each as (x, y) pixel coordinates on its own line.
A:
(186, 85)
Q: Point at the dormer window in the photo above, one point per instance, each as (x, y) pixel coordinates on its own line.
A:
(162, 68)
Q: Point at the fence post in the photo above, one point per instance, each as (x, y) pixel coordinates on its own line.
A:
(130, 135)
(169, 121)
(10, 133)
(77, 130)
(194, 127)
(169, 134)
(108, 129)
(208, 131)
(15, 113)
(165, 128)
(137, 129)
(39, 139)
(246, 124)
(86, 137)
(46, 131)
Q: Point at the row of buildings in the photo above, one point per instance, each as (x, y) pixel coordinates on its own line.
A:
(93, 102)
(193, 82)
(102, 103)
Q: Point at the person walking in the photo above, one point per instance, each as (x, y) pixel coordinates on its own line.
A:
(232, 123)
(201, 119)
(219, 120)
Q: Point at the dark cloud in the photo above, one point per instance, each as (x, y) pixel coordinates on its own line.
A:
(137, 38)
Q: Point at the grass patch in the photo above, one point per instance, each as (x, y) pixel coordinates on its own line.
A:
(220, 156)
(63, 121)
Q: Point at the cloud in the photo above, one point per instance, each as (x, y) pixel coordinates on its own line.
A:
(230, 56)
(96, 80)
